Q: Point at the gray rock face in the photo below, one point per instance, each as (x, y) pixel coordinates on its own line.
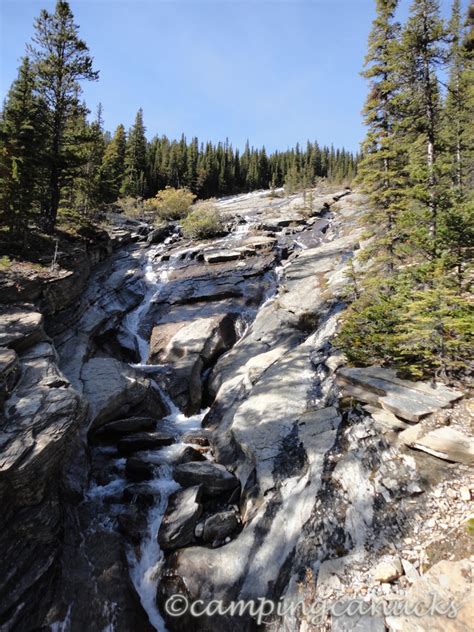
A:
(113, 389)
(177, 527)
(40, 419)
(214, 478)
(272, 423)
(9, 372)
(20, 327)
(190, 347)
(408, 400)
(305, 482)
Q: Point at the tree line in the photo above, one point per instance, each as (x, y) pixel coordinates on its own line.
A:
(410, 300)
(52, 156)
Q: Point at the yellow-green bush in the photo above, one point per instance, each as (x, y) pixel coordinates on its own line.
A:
(202, 222)
(171, 203)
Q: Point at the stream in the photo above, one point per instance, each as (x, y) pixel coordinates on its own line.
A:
(146, 560)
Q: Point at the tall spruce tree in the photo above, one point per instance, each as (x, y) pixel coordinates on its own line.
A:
(422, 54)
(113, 165)
(378, 171)
(22, 141)
(61, 61)
(134, 182)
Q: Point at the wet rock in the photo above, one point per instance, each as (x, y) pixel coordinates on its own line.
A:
(137, 470)
(141, 494)
(190, 455)
(198, 438)
(132, 524)
(191, 347)
(180, 519)
(20, 326)
(381, 387)
(261, 243)
(218, 256)
(144, 441)
(113, 388)
(214, 478)
(219, 526)
(157, 235)
(115, 429)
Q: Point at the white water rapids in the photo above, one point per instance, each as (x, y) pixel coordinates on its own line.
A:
(146, 561)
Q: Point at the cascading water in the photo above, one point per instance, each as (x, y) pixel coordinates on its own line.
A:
(145, 564)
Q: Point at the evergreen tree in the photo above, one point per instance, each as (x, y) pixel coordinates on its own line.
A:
(89, 184)
(459, 111)
(422, 55)
(378, 171)
(22, 138)
(134, 182)
(113, 165)
(61, 60)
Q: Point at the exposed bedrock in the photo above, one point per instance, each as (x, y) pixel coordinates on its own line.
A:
(102, 457)
(41, 415)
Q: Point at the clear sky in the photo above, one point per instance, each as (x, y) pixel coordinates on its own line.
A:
(275, 72)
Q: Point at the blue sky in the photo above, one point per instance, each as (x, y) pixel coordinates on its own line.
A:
(275, 72)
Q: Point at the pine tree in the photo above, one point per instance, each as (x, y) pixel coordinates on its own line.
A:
(459, 110)
(61, 60)
(89, 184)
(422, 54)
(113, 165)
(378, 172)
(22, 136)
(134, 182)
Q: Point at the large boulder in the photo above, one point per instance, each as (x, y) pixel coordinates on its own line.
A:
(408, 400)
(189, 348)
(214, 478)
(220, 526)
(119, 427)
(144, 441)
(114, 389)
(180, 519)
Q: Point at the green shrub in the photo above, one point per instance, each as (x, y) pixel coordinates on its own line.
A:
(202, 222)
(5, 262)
(170, 203)
(131, 207)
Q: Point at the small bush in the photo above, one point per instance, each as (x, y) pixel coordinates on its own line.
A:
(171, 203)
(202, 222)
(5, 262)
(131, 207)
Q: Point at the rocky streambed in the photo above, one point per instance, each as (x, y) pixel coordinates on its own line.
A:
(187, 426)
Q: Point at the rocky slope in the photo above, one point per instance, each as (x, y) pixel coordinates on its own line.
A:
(187, 426)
